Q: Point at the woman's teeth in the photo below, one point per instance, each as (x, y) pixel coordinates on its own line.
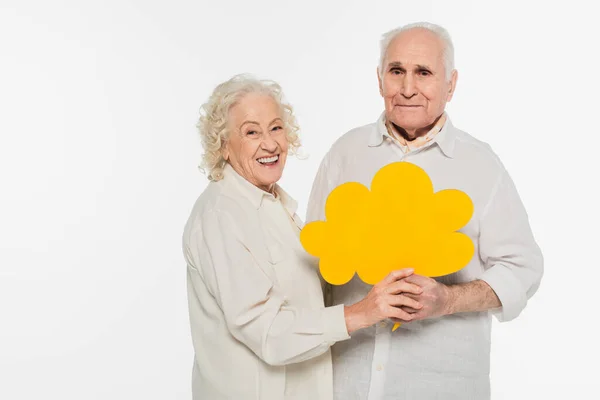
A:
(267, 160)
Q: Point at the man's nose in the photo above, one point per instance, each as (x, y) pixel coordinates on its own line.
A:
(409, 88)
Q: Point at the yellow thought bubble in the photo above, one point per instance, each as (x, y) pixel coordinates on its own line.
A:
(399, 223)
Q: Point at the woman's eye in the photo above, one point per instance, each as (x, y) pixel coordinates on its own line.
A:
(277, 128)
(251, 133)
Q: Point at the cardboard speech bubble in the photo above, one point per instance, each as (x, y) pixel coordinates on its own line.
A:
(399, 223)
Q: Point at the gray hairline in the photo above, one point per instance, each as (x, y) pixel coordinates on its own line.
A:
(440, 32)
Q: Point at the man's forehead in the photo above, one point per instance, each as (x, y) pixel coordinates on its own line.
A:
(418, 46)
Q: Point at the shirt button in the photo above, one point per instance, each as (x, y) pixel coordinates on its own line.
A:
(379, 367)
(383, 324)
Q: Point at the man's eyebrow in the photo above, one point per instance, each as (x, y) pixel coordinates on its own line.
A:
(398, 64)
(394, 64)
(423, 67)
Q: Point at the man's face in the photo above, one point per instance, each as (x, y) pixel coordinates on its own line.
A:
(413, 81)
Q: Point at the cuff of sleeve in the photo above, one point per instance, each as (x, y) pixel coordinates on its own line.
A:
(334, 323)
(508, 289)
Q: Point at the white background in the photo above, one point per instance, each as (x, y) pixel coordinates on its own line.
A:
(99, 155)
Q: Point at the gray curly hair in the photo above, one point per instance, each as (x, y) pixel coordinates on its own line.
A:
(214, 115)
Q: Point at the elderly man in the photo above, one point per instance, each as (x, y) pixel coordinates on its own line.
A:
(443, 352)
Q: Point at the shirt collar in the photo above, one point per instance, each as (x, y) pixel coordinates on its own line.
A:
(288, 202)
(444, 138)
(256, 195)
(380, 132)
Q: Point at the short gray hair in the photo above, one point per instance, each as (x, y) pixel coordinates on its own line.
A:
(214, 116)
(440, 32)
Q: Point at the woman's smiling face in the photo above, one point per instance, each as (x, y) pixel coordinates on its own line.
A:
(258, 145)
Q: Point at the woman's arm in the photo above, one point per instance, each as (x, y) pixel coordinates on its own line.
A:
(256, 309)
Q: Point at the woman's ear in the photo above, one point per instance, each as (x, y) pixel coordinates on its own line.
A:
(226, 152)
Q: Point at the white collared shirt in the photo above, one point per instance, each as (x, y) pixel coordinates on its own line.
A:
(449, 357)
(259, 326)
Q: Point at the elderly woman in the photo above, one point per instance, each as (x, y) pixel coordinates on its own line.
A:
(260, 329)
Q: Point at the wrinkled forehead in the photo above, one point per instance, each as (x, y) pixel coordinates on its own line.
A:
(416, 47)
(259, 108)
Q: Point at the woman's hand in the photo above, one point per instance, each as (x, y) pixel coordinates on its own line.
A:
(384, 301)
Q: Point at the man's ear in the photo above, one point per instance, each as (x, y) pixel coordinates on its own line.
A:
(380, 82)
(453, 79)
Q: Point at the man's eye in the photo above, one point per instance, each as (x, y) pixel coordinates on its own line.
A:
(395, 71)
(424, 73)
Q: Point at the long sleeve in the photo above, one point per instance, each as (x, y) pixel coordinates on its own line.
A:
(254, 307)
(512, 259)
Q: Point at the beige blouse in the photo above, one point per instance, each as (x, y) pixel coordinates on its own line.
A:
(259, 326)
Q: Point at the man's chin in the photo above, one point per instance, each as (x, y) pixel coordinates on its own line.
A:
(409, 120)
(405, 123)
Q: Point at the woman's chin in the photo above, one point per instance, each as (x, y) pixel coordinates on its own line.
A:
(270, 178)
(271, 171)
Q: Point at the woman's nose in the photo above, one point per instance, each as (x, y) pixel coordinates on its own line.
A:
(268, 143)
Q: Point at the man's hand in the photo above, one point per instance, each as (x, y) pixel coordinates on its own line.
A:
(436, 298)
(439, 299)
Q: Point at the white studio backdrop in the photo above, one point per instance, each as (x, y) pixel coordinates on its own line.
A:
(99, 155)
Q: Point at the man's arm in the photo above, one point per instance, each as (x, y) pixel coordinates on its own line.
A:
(439, 299)
(512, 260)
(472, 297)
